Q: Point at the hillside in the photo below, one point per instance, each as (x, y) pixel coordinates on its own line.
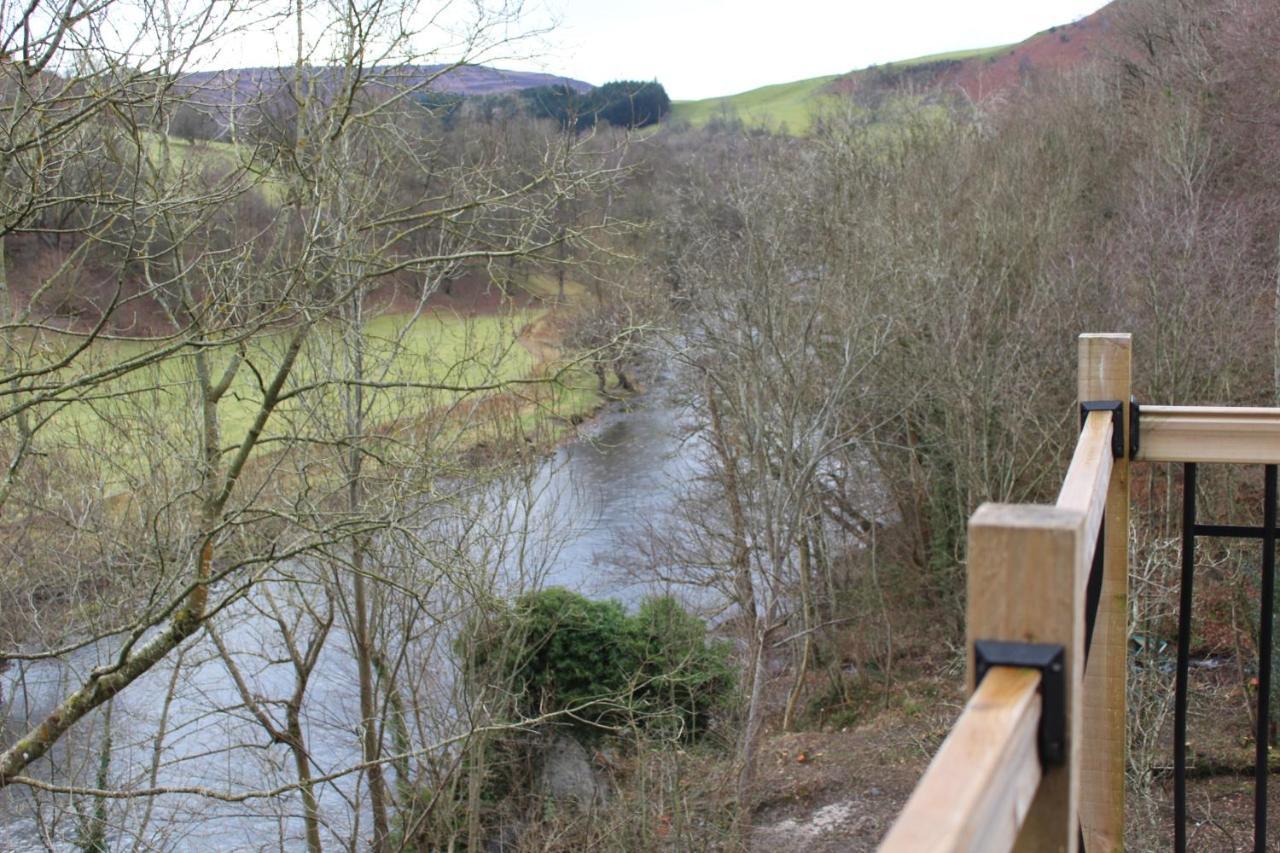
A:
(982, 74)
(978, 74)
(793, 104)
(459, 79)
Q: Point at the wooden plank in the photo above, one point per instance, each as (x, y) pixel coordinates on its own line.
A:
(1105, 373)
(1026, 584)
(1209, 434)
(977, 790)
(1088, 478)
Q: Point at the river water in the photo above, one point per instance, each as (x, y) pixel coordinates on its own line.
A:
(624, 472)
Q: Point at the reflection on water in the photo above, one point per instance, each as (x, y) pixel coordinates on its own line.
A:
(624, 473)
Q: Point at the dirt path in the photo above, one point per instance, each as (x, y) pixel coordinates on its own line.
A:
(832, 791)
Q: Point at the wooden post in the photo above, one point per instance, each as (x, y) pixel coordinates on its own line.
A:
(1105, 374)
(1025, 584)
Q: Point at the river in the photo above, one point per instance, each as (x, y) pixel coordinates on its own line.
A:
(625, 470)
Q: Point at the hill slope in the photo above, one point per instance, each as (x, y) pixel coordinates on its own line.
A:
(220, 86)
(995, 71)
(979, 74)
(795, 104)
(792, 104)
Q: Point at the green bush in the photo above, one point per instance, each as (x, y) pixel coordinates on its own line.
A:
(683, 678)
(561, 651)
(571, 652)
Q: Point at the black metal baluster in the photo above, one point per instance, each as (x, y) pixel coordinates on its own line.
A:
(1093, 589)
(1263, 739)
(1184, 649)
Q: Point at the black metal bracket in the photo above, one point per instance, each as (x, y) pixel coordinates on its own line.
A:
(1050, 660)
(1135, 411)
(1116, 408)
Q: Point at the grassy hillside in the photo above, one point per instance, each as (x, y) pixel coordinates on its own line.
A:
(214, 157)
(149, 416)
(793, 104)
(972, 53)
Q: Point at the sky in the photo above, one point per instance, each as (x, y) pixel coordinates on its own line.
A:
(695, 48)
(703, 48)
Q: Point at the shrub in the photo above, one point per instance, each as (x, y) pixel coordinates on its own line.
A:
(561, 651)
(571, 651)
(683, 677)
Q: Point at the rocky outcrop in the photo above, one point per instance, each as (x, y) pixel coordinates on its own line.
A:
(567, 773)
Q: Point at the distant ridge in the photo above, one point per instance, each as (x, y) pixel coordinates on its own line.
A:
(244, 83)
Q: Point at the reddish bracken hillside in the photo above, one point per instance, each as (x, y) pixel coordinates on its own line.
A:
(1058, 49)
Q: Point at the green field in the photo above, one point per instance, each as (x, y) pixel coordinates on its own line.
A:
(544, 285)
(794, 105)
(208, 157)
(137, 424)
(146, 423)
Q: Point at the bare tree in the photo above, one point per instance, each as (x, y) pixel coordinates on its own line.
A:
(780, 349)
(224, 411)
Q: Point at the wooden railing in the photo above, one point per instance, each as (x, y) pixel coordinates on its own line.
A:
(1209, 434)
(992, 784)
(1015, 772)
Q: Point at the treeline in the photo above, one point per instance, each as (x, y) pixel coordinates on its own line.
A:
(623, 103)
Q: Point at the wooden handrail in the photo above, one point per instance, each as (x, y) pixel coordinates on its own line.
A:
(1104, 372)
(1027, 573)
(1025, 584)
(1084, 488)
(1028, 568)
(980, 784)
(1209, 434)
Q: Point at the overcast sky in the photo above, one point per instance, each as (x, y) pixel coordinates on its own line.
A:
(702, 48)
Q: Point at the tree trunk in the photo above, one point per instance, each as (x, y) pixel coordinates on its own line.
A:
(370, 735)
(302, 762)
(745, 598)
(601, 378)
(750, 744)
(94, 832)
(806, 642)
(475, 790)
(560, 266)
